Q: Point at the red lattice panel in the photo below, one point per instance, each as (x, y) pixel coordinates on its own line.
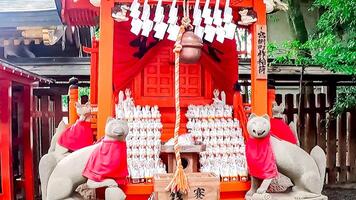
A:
(190, 80)
(158, 76)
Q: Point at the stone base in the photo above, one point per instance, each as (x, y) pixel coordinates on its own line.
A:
(290, 196)
(284, 196)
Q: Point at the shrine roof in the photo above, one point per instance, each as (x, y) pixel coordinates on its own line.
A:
(8, 67)
(39, 13)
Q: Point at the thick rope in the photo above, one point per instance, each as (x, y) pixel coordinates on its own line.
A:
(179, 182)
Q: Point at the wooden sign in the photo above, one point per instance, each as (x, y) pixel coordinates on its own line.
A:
(261, 51)
(202, 186)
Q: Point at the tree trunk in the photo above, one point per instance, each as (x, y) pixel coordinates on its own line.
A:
(296, 21)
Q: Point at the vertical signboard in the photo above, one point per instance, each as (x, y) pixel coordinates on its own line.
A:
(261, 52)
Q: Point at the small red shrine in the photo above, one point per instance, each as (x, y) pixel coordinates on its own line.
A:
(16, 131)
(122, 60)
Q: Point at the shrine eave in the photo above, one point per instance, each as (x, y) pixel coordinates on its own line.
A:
(17, 71)
(30, 18)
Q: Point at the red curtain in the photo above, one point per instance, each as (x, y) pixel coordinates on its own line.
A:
(132, 53)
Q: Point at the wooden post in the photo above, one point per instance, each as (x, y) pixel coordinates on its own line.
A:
(310, 124)
(57, 109)
(27, 143)
(105, 82)
(259, 60)
(321, 121)
(331, 136)
(6, 140)
(341, 147)
(289, 107)
(352, 147)
(301, 120)
(73, 98)
(45, 130)
(271, 97)
(36, 140)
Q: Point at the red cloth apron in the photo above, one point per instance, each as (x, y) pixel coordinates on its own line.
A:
(260, 158)
(108, 161)
(282, 131)
(77, 136)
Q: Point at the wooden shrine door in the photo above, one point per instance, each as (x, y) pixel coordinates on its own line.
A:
(155, 86)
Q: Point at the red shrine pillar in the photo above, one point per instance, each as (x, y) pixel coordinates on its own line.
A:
(27, 143)
(6, 140)
(105, 67)
(259, 60)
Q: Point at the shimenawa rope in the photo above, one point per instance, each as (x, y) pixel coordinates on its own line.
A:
(179, 182)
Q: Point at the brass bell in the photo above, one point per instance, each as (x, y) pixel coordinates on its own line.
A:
(191, 48)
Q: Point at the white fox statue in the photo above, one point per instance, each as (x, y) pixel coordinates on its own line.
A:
(68, 173)
(306, 171)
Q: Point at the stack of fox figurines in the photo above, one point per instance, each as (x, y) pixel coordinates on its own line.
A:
(214, 126)
(143, 140)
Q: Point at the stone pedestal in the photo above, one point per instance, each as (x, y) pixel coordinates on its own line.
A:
(289, 196)
(284, 196)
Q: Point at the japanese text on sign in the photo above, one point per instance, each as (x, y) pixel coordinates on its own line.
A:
(176, 196)
(261, 72)
(199, 193)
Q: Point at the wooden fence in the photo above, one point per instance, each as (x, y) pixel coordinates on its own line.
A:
(336, 135)
(46, 115)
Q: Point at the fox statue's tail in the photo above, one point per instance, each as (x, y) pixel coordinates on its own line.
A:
(48, 161)
(319, 156)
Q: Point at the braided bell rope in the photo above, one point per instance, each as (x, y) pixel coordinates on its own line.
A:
(179, 182)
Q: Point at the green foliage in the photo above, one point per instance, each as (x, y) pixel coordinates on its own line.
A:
(82, 92)
(97, 33)
(334, 44)
(290, 53)
(333, 47)
(346, 100)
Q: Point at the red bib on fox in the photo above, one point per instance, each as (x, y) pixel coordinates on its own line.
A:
(260, 158)
(77, 136)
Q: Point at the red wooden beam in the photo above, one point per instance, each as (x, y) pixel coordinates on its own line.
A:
(94, 59)
(6, 140)
(27, 143)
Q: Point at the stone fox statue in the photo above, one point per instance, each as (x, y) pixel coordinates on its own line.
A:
(76, 168)
(65, 141)
(266, 153)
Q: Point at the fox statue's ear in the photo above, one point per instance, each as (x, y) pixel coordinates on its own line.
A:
(253, 115)
(109, 119)
(266, 116)
(78, 105)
